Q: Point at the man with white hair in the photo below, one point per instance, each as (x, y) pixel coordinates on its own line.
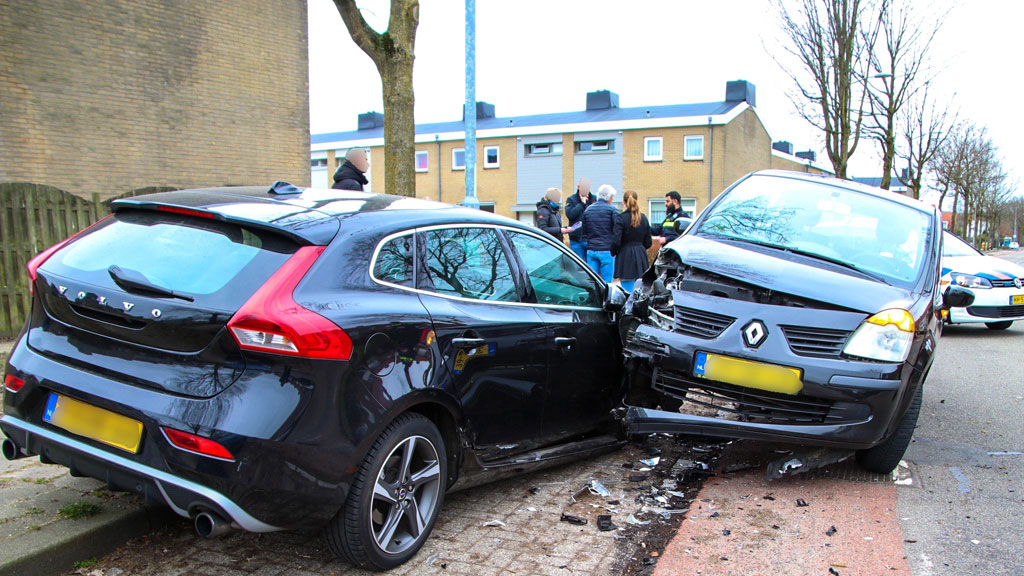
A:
(598, 227)
(351, 174)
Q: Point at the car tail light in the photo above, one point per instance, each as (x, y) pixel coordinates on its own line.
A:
(35, 263)
(197, 444)
(271, 320)
(187, 212)
(13, 383)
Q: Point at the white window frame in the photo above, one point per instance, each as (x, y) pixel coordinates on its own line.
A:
(527, 149)
(497, 154)
(683, 202)
(661, 149)
(686, 141)
(455, 152)
(426, 154)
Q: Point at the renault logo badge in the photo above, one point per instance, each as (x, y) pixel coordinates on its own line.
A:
(1018, 282)
(754, 333)
(127, 306)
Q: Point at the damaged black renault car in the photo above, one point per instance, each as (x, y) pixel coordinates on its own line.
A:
(795, 308)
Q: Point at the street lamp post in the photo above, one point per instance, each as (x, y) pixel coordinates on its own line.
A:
(470, 200)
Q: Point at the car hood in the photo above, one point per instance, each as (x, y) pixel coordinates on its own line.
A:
(823, 282)
(985, 266)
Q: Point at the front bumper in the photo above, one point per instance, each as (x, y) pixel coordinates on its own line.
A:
(844, 402)
(990, 305)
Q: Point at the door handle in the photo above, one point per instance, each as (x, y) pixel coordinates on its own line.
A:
(564, 341)
(468, 342)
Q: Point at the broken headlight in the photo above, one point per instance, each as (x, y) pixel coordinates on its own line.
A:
(886, 337)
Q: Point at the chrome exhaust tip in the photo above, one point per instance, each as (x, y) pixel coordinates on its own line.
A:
(11, 450)
(210, 525)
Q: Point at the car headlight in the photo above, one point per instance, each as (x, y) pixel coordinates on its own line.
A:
(971, 281)
(886, 336)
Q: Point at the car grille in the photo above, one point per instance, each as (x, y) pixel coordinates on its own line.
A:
(699, 323)
(1002, 283)
(996, 311)
(815, 341)
(748, 404)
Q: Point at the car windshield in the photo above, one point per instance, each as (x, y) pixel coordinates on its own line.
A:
(954, 246)
(878, 237)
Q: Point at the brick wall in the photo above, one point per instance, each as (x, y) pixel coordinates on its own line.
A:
(113, 95)
(653, 179)
(496, 185)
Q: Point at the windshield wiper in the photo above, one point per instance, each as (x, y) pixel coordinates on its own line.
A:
(814, 255)
(135, 281)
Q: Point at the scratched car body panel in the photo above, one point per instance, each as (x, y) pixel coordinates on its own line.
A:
(796, 309)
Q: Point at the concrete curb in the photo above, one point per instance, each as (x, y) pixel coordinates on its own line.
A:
(50, 552)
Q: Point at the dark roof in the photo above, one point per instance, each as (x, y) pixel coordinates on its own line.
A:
(579, 117)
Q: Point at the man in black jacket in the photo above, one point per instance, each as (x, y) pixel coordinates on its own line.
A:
(666, 231)
(574, 207)
(598, 230)
(351, 174)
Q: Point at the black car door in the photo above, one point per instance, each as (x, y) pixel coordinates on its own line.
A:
(490, 341)
(584, 354)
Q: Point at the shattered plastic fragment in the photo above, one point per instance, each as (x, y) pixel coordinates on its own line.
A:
(598, 488)
(831, 530)
(604, 523)
(651, 461)
(637, 477)
(632, 520)
(534, 490)
(726, 531)
(713, 515)
(573, 519)
(653, 451)
(800, 503)
(494, 524)
(768, 497)
(832, 571)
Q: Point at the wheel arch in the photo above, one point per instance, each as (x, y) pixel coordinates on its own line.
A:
(447, 417)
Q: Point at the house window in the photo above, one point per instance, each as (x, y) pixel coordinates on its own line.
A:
(487, 207)
(459, 159)
(652, 149)
(656, 209)
(552, 149)
(422, 161)
(595, 146)
(491, 157)
(693, 148)
(319, 163)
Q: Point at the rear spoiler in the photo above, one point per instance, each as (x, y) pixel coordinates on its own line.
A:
(128, 204)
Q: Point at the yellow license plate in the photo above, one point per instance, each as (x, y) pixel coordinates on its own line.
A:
(1018, 299)
(749, 374)
(86, 420)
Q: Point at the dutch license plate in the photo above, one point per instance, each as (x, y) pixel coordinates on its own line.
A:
(747, 373)
(87, 420)
(1017, 299)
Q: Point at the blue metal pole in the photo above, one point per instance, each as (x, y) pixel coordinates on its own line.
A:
(470, 200)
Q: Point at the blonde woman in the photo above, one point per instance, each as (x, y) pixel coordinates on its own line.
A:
(630, 240)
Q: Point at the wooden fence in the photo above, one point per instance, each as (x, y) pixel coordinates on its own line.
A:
(34, 217)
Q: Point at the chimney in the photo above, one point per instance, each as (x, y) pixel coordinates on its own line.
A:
(602, 100)
(371, 120)
(483, 110)
(808, 155)
(741, 91)
(783, 146)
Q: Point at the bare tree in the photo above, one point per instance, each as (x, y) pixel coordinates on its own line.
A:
(969, 167)
(897, 60)
(924, 130)
(392, 53)
(831, 41)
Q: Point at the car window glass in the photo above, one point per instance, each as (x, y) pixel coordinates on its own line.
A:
(556, 278)
(953, 246)
(394, 262)
(466, 262)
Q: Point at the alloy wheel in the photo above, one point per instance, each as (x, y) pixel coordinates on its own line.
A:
(405, 495)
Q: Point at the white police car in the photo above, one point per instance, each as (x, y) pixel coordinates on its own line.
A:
(998, 284)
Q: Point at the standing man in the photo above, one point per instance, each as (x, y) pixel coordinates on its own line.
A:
(574, 207)
(598, 232)
(351, 174)
(666, 231)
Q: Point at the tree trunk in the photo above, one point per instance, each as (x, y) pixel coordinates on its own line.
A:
(399, 127)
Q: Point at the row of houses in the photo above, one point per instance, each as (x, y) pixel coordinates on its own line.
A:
(696, 149)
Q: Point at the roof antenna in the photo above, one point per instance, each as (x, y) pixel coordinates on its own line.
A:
(282, 187)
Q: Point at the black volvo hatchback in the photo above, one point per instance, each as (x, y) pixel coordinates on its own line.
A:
(292, 358)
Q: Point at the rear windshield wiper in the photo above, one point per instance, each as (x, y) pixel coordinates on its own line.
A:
(135, 281)
(814, 255)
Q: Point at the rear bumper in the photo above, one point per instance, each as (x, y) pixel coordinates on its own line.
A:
(182, 496)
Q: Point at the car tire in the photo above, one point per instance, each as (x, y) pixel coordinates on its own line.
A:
(401, 480)
(998, 325)
(885, 457)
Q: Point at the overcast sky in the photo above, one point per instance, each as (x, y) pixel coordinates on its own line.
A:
(537, 57)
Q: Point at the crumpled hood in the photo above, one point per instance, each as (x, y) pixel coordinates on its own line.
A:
(985, 266)
(823, 283)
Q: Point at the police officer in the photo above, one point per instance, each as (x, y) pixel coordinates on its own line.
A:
(666, 231)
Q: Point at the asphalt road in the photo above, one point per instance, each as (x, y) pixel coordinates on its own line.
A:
(965, 513)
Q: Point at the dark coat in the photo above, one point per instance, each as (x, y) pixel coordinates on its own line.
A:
(599, 226)
(630, 247)
(574, 208)
(348, 177)
(549, 219)
(667, 227)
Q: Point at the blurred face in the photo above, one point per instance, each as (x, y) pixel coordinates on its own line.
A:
(358, 159)
(584, 187)
(670, 204)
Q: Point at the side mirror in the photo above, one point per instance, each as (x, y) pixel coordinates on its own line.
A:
(615, 298)
(681, 224)
(957, 297)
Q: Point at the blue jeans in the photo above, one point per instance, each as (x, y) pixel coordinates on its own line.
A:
(580, 248)
(602, 262)
(627, 285)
